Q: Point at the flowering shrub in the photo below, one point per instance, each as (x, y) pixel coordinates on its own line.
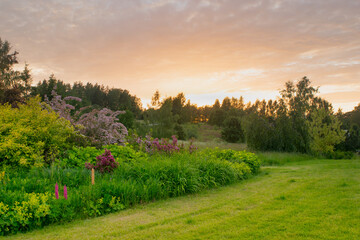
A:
(105, 163)
(60, 106)
(28, 201)
(102, 128)
(154, 145)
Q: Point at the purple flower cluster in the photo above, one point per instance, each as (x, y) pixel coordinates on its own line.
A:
(101, 126)
(165, 146)
(57, 191)
(105, 163)
(59, 105)
(153, 145)
(192, 147)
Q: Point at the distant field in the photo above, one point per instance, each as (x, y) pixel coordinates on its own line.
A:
(208, 136)
(307, 199)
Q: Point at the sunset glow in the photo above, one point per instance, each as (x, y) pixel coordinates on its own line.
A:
(206, 49)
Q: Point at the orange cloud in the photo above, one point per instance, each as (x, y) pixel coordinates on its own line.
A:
(203, 48)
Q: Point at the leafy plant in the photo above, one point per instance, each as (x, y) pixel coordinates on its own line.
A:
(102, 127)
(325, 132)
(31, 135)
(232, 130)
(28, 200)
(105, 163)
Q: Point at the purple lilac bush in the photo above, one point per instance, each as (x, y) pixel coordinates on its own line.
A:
(60, 106)
(105, 163)
(100, 126)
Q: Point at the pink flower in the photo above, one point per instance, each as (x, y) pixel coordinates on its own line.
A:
(56, 191)
(65, 192)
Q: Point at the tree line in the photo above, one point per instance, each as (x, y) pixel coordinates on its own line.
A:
(298, 120)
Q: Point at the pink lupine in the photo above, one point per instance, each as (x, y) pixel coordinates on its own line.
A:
(56, 191)
(65, 192)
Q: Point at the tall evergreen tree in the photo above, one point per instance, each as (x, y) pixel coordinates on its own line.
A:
(14, 85)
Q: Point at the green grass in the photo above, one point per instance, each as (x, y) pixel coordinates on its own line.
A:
(313, 199)
(206, 132)
(279, 158)
(219, 144)
(209, 136)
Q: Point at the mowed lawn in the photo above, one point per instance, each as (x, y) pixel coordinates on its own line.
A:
(317, 199)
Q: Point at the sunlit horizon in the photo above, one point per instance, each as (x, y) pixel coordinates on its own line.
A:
(206, 49)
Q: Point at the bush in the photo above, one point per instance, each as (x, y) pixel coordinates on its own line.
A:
(191, 131)
(180, 133)
(105, 163)
(240, 157)
(352, 139)
(232, 130)
(28, 200)
(339, 155)
(102, 127)
(31, 135)
(78, 156)
(127, 119)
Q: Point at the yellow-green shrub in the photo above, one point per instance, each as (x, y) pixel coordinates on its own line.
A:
(31, 134)
(27, 214)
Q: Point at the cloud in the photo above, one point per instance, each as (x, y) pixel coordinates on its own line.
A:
(197, 47)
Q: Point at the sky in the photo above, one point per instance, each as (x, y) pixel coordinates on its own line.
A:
(207, 49)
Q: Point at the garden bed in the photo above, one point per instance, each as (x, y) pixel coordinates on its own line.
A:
(28, 198)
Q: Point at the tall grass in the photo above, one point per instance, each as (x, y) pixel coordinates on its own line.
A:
(133, 182)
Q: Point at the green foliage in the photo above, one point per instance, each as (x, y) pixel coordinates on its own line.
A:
(30, 213)
(94, 95)
(141, 128)
(320, 201)
(352, 139)
(78, 156)
(191, 131)
(279, 158)
(14, 84)
(339, 155)
(162, 121)
(351, 124)
(240, 157)
(232, 130)
(258, 133)
(325, 132)
(28, 200)
(31, 135)
(127, 119)
(217, 117)
(284, 124)
(180, 132)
